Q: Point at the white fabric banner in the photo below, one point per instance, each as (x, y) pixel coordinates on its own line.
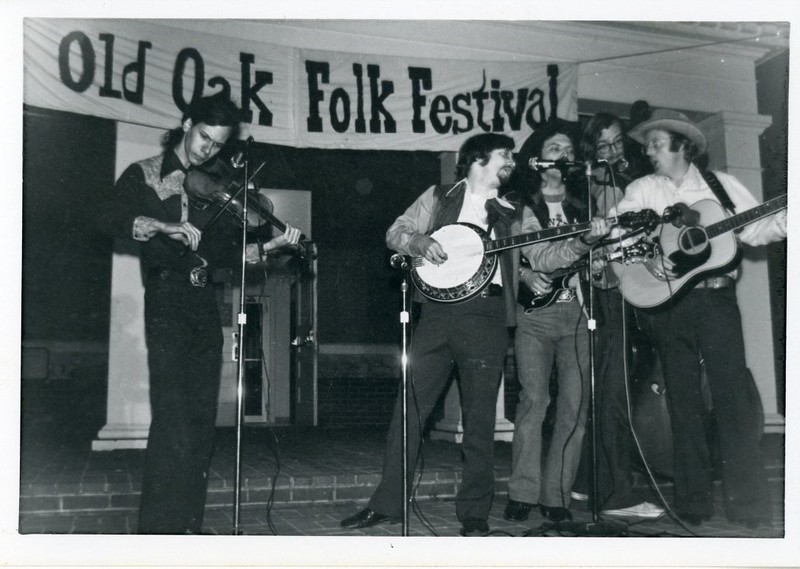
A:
(147, 71)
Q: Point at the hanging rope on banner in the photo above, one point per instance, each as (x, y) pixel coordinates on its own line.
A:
(669, 49)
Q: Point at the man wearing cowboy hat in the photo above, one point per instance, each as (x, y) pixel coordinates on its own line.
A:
(703, 323)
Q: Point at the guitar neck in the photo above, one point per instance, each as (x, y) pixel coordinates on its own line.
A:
(573, 268)
(747, 217)
(581, 264)
(534, 237)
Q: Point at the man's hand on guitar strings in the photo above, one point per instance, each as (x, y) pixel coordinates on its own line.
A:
(661, 268)
(537, 282)
(600, 228)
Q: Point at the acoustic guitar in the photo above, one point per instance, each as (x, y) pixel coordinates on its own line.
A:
(696, 250)
(472, 255)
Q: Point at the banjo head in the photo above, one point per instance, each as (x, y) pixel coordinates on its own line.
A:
(464, 272)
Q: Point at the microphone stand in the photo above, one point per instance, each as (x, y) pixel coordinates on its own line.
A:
(242, 321)
(400, 262)
(597, 527)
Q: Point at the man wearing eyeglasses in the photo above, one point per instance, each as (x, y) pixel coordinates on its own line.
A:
(603, 141)
(703, 323)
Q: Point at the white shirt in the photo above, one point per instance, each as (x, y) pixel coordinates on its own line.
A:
(657, 192)
(473, 210)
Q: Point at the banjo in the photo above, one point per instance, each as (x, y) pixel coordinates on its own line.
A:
(472, 255)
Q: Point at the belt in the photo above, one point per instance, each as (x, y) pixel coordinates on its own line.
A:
(717, 282)
(196, 277)
(491, 290)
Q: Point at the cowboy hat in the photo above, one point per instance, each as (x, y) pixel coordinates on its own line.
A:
(667, 119)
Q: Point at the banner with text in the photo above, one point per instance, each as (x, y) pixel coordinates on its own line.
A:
(148, 71)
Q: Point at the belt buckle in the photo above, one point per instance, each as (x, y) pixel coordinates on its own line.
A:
(198, 277)
(715, 283)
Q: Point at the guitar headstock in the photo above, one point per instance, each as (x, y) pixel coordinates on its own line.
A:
(645, 218)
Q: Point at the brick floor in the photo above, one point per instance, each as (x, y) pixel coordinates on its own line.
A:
(68, 491)
(320, 477)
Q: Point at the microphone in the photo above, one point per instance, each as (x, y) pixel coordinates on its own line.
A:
(398, 261)
(561, 163)
(621, 166)
(237, 160)
(681, 215)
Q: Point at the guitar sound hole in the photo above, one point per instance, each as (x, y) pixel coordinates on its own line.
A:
(693, 240)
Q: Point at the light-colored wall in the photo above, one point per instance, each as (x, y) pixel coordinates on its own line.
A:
(128, 408)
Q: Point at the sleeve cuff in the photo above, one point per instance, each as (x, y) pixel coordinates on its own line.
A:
(253, 253)
(144, 228)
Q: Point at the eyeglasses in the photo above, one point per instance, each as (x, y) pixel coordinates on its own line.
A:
(656, 144)
(604, 147)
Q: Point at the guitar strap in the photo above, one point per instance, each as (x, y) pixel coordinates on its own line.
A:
(716, 187)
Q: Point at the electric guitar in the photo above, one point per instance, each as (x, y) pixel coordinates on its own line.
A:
(560, 278)
(472, 256)
(695, 250)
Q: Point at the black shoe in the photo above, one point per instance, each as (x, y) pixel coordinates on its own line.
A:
(474, 528)
(517, 511)
(555, 513)
(367, 518)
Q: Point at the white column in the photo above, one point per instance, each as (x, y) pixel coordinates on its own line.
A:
(733, 148)
(128, 405)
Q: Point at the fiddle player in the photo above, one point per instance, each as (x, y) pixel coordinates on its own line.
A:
(183, 328)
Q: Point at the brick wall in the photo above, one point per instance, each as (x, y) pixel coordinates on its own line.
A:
(358, 384)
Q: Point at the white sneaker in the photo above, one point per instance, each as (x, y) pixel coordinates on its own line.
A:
(645, 510)
(579, 496)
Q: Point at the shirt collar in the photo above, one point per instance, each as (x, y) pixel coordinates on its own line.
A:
(491, 194)
(691, 177)
(170, 164)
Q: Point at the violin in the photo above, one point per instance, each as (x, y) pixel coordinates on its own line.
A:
(214, 185)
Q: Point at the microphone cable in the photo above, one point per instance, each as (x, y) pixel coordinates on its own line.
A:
(419, 459)
(628, 405)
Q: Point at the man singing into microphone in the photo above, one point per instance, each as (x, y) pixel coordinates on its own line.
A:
(555, 332)
(182, 321)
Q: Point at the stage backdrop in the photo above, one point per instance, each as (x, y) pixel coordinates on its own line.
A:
(147, 71)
